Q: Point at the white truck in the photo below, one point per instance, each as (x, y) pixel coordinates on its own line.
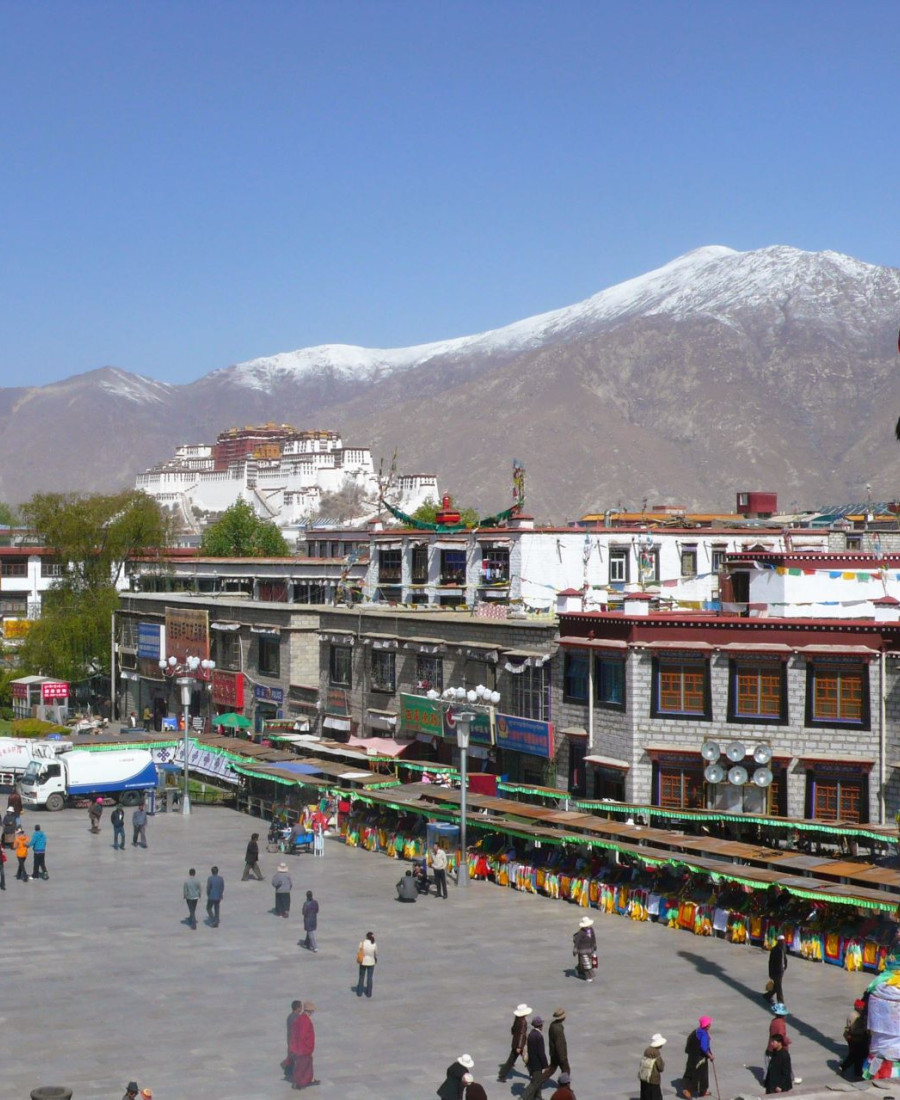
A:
(16, 753)
(123, 774)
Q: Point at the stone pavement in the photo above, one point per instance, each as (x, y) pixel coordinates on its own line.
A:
(102, 982)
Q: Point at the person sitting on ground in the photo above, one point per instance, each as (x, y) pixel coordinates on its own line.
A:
(406, 888)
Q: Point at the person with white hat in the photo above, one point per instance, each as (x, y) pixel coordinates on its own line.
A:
(519, 1033)
(584, 947)
(454, 1086)
(283, 884)
(652, 1066)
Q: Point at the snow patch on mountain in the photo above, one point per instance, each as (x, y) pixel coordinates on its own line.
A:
(133, 387)
(713, 281)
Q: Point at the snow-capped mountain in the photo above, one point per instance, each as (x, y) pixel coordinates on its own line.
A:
(713, 281)
(722, 370)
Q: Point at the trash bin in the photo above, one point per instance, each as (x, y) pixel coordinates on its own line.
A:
(150, 800)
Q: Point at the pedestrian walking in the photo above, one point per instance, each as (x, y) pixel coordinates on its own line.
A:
(251, 859)
(131, 1091)
(695, 1081)
(439, 867)
(367, 957)
(474, 1091)
(20, 847)
(310, 921)
(777, 967)
(856, 1035)
(14, 803)
(564, 1091)
(95, 812)
(318, 836)
(288, 1064)
(39, 850)
(281, 880)
(2, 869)
(215, 891)
(9, 826)
(556, 1041)
(192, 896)
(302, 1045)
(117, 820)
(453, 1085)
(584, 948)
(780, 1074)
(537, 1059)
(519, 1034)
(139, 826)
(651, 1068)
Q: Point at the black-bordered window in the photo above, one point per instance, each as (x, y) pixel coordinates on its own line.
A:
(680, 688)
(619, 565)
(575, 677)
(689, 561)
(837, 694)
(757, 692)
(383, 671)
(833, 795)
(609, 682)
(340, 666)
(429, 673)
(269, 656)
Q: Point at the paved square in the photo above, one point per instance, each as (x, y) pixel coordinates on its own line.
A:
(102, 982)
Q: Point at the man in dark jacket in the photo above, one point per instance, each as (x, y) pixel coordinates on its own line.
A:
(215, 891)
(519, 1032)
(117, 820)
(251, 859)
(777, 967)
(559, 1053)
(780, 1074)
(537, 1059)
(310, 921)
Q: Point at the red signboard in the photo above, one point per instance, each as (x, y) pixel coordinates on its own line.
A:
(54, 690)
(228, 689)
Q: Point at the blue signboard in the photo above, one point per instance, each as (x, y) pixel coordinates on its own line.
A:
(148, 640)
(267, 694)
(525, 735)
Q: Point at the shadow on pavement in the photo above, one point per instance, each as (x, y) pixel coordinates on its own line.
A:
(706, 966)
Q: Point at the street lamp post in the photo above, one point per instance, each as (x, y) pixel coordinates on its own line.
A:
(464, 722)
(186, 676)
(480, 700)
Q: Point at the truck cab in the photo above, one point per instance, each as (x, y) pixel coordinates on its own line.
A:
(44, 784)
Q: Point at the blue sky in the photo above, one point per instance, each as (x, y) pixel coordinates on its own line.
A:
(189, 185)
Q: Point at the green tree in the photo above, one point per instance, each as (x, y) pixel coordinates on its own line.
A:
(92, 537)
(8, 517)
(427, 511)
(240, 533)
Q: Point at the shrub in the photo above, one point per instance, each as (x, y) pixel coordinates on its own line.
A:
(34, 727)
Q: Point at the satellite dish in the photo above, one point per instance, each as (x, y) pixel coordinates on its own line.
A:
(714, 773)
(762, 777)
(736, 751)
(762, 754)
(710, 750)
(738, 776)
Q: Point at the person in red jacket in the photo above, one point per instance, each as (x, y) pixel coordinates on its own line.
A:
(564, 1092)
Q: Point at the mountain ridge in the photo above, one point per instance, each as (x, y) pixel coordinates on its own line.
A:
(719, 371)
